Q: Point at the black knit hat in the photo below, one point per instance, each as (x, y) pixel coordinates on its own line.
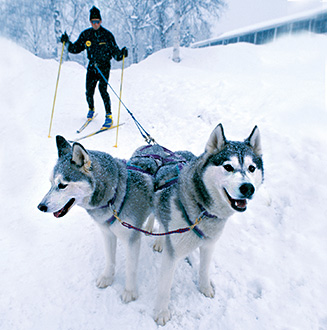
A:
(95, 13)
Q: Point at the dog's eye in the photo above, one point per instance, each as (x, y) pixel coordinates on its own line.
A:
(229, 168)
(62, 186)
(251, 168)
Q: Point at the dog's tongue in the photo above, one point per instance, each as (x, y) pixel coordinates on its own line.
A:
(58, 213)
(65, 209)
(240, 203)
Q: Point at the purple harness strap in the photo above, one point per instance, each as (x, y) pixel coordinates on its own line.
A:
(137, 168)
(180, 160)
(174, 158)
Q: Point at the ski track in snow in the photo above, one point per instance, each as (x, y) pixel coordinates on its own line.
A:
(270, 265)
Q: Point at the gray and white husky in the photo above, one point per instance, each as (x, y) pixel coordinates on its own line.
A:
(100, 184)
(208, 191)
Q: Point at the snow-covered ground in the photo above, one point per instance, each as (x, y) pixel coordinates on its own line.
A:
(270, 265)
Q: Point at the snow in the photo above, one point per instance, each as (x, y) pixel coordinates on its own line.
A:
(270, 265)
(309, 14)
(242, 13)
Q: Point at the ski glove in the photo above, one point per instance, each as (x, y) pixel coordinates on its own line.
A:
(124, 52)
(64, 38)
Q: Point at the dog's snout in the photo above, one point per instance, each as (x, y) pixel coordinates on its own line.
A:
(247, 190)
(42, 207)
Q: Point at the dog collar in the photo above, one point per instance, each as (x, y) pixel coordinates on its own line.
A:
(206, 213)
(196, 230)
(112, 219)
(111, 202)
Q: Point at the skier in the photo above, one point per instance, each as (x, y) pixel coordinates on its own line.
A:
(101, 46)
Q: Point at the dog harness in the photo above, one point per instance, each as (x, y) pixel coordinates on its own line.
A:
(110, 204)
(171, 159)
(196, 230)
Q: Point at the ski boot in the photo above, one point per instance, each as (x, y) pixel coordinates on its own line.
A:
(90, 114)
(108, 122)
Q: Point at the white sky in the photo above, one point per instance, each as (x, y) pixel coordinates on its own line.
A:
(242, 13)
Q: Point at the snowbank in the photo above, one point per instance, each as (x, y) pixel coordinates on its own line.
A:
(270, 265)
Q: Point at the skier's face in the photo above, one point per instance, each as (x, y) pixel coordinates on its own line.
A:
(96, 23)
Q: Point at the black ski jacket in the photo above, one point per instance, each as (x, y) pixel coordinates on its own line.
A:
(100, 46)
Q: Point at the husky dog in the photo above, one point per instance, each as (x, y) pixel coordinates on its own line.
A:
(100, 184)
(208, 191)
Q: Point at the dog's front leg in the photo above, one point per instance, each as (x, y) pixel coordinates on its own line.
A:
(205, 285)
(132, 257)
(162, 313)
(159, 241)
(110, 244)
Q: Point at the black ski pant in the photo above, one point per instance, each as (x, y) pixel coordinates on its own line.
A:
(92, 78)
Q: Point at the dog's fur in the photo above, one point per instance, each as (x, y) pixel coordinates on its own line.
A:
(184, 188)
(211, 187)
(100, 183)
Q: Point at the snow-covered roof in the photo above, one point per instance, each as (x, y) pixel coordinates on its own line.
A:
(262, 26)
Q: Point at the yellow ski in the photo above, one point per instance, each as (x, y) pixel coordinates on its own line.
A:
(86, 124)
(101, 130)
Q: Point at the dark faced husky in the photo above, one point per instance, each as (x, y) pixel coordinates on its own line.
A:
(100, 184)
(209, 190)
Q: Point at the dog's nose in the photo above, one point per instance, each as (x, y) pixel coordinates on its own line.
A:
(247, 190)
(42, 207)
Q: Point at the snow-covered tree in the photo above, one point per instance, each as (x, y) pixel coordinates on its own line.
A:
(177, 17)
(194, 21)
(143, 26)
(136, 20)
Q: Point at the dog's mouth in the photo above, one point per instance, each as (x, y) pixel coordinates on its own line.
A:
(65, 209)
(238, 205)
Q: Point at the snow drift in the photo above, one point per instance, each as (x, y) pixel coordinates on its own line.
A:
(270, 265)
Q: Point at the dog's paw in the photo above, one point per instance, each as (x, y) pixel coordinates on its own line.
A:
(162, 317)
(129, 296)
(104, 281)
(207, 290)
(158, 246)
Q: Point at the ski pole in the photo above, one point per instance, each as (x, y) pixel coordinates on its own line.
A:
(54, 100)
(120, 93)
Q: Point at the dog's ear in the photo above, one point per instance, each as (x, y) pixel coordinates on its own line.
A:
(254, 141)
(217, 140)
(81, 157)
(63, 146)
